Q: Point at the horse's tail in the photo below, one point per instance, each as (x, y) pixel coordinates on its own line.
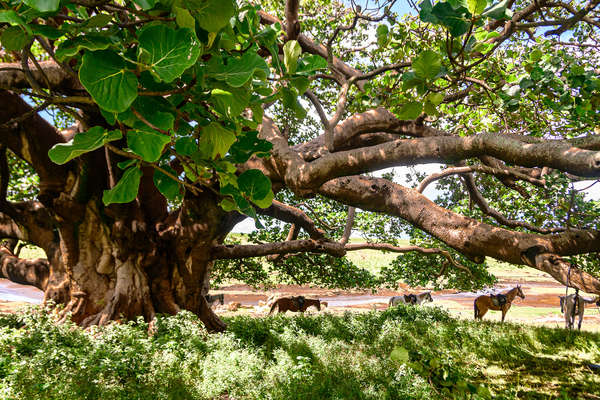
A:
(475, 308)
(275, 304)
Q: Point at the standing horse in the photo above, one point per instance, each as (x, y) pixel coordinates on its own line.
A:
(410, 299)
(566, 307)
(298, 303)
(212, 299)
(496, 302)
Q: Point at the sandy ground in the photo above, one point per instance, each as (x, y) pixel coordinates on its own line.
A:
(540, 307)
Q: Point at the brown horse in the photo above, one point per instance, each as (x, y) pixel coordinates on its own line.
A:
(298, 303)
(486, 302)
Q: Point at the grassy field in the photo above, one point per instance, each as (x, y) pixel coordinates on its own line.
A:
(401, 353)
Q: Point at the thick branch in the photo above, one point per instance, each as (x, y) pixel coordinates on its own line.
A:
(26, 272)
(292, 215)
(291, 16)
(293, 246)
(13, 76)
(349, 224)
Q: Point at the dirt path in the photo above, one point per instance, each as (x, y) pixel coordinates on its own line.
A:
(540, 306)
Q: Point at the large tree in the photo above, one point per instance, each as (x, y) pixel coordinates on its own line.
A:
(173, 120)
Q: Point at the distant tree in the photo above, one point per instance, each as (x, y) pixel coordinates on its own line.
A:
(174, 120)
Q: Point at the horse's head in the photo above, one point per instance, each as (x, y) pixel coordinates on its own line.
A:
(428, 297)
(562, 304)
(520, 292)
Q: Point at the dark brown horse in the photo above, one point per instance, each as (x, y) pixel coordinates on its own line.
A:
(298, 303)
(496, 302)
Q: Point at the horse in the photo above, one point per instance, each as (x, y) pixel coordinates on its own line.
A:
(296, 304)
(411, 299)
(486, 302)
(211, 299)
(566, 307)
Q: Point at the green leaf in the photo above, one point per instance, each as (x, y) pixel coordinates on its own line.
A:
(167, 52)
(230, 102)
(247, 144)
(291, 52)
(14, 38)
(215, 140)
(186, 146)
(400, 354)
(498, 11)
(127, 163)
(43, 5)
(254, 184)
(310, 63)
(476, 7)
(106, 77)
(410, 110)
(456, 20)
(426, 13)
(47, 31)
(184, 19)
(147, 144)
(155, 110)
(126, 189)
(82, 143)
(11, 17)
(213, 14)
(289, 98)
(435, 98)
(145, 4)
(301, 83)
(71, 47)
(427, 65)
(170, 188)
(266, 202)
(238, 71)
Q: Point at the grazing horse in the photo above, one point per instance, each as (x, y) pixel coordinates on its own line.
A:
(496, 302)
(211, 299)
(297, 303)
(411, 299)
(566, 307)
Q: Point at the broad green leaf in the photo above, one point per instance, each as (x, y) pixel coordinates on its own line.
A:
(456, 20)
(238, 71)
(301, 83)
(230, 102)
(426, 13)
(126, 189)
(105, 76)
(289, 98)
(97, 21)
(291, 52)
(11, 17)
(145, 4)
(14, 38)
(127, 163)
(47, 31)
(427, 64)
(155, 110)
(170, 188)
(498, 11)
(147, 144)
(410, 110)
(266, 202)
(43, 5)
(435, 98)
(382, 35)
(82, 143)
(71, 47)
(184, 19)
(213, 14)
(215, 140)
(400, 354)
(310, 63)
(186, 146)
(254, 184)
(167, 52)
(476, 7)
(228, 204)
(247, 144)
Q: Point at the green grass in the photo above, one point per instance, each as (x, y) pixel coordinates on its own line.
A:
(401, 353)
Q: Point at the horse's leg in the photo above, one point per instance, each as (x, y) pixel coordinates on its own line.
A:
(505, 309)
(581, 310)
(482, 312)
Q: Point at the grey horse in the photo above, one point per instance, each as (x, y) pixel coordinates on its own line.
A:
(566, 307)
